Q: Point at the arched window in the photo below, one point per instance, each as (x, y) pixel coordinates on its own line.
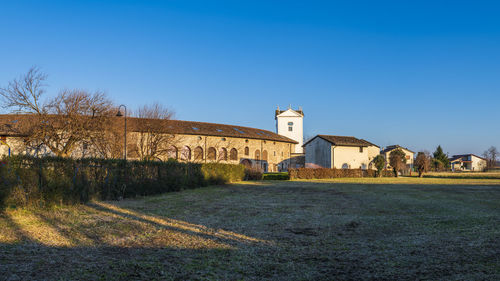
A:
(211, 153)
(257, 154)
(198, 153)
(233, 154)
(247, 151)
(223, 154)
(264, 155)
(186, 153)
(345, 166)
(172, 152)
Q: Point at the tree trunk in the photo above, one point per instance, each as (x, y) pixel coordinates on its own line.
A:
(420, 174)
(395, 173)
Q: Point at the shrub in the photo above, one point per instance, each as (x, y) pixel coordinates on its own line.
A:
(325, 173)
(379, 162)
(253, 173)
(26, 181)
(276, 176)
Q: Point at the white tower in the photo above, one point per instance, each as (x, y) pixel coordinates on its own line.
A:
(289, 123)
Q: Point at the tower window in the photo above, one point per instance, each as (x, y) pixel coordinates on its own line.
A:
(290, 123)
(361, 149)
(290, 129)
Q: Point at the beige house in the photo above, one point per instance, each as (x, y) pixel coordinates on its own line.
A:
(468, 162)
(410, 160)
(340, 152)
(187, 141)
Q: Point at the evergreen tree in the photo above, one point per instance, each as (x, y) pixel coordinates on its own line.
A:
(440, 157)
(379, 162)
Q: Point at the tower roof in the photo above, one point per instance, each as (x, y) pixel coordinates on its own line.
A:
(279, 112)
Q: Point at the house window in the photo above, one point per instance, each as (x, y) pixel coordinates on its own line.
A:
(233, 154)
(290, 123)
(361, 149)
(247, 151)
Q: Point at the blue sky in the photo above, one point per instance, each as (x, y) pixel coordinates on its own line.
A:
(417, 74)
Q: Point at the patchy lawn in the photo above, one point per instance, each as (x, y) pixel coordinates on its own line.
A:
(343, 230)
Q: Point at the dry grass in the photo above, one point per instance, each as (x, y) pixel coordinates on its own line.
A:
(414, 180)
(466, 175)
(344, 229)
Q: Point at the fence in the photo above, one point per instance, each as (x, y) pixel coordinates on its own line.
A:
(28, 181)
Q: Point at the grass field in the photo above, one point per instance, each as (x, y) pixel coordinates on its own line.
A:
(461, 175)
(345, 229)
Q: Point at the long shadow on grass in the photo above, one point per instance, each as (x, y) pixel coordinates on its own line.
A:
(175, 225)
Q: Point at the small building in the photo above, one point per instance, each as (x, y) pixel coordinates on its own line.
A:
(409, 155)
(340, 152)
(468, 162)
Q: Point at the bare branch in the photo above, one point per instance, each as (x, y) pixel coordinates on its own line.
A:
(23, 95)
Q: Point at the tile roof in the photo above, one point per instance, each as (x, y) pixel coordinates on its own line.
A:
(13, 125)
(392, 147)
(343, 141)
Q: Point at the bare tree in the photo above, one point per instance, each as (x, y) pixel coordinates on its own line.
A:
(491, 156)
(106, 143)
(152, 142)
(61, 123)
(397, 160)
(23, 95)
(423, 163)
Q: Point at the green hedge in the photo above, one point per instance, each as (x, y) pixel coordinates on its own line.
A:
(325, 173)
(276, 176)
(26, 181)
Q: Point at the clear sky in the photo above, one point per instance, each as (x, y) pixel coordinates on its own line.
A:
(416, 74)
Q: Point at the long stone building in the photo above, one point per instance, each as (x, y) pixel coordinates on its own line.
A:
(188, 141)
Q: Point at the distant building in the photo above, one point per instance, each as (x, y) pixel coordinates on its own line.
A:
(386, 152)
(468, 162)
(340, 152)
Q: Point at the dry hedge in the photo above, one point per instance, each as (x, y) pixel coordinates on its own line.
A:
(28, 181)
(325, 173)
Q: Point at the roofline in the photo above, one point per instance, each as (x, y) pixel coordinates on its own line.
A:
(354, 145)
(399, 146)
(267, 138)
(371, 143)
(471, 154)
(289, 140)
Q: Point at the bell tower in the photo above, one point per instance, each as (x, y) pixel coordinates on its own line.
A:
(289, 123)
